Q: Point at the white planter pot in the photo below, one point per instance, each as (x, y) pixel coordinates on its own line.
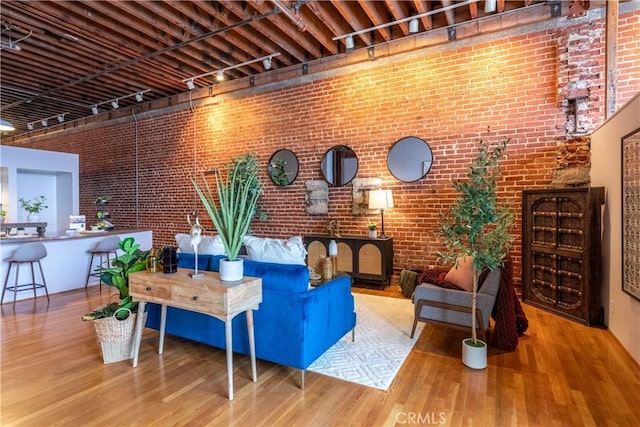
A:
(231, 271)
(474, 357)
(373, 234)
(33, 217)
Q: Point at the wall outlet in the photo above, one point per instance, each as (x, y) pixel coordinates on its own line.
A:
(612, 307)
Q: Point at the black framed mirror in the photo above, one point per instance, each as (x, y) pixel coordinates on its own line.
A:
(339, 165)
(409, 159)
(283, 167)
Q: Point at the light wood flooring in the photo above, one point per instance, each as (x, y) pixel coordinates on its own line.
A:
(562, 374)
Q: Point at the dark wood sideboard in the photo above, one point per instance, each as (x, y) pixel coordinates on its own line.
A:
(368, 261)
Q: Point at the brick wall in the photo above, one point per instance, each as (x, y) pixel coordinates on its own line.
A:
(451, 98)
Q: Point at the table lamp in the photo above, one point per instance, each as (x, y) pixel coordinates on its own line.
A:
(381, 199)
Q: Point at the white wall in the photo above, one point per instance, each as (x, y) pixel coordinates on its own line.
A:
(27, 173)
(621, 310)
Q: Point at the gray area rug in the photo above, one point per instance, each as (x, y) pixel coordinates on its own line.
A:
(382, 343)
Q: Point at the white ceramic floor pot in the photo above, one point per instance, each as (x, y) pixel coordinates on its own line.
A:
(474, 355)
(231, 271)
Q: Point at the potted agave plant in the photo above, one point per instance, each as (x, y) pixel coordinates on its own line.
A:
(477, 226)
(114, 322)
(232, 208)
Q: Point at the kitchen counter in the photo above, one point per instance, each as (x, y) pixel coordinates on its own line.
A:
(67, 262)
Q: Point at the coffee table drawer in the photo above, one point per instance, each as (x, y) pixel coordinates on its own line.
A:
(150, 290)
(199, 299)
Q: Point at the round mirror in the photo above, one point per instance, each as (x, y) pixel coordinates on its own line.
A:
(339, 165)
(409, 159)
(283, 167)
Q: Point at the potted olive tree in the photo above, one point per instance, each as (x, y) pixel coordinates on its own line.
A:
(477, 226)
(114, 322)
(232, 207)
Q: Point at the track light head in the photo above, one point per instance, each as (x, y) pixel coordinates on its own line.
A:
(44, 123)
(94, 109)
(220, 76)
(190, 84)
(6, 126)
(114, 104)
(348, 43)
(267, 64)
(60, 118)
(489, 6)
(30, 126)
(139, 97)
(413, 26)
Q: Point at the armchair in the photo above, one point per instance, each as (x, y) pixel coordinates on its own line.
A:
(452, 307)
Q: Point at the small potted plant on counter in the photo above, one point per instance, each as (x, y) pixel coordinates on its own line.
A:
(3, 216)
(372, 230)
(115, 322)
(33, 207)
(102, 215)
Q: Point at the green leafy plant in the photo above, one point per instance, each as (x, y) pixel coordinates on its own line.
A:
(101, 200)
(277, 172)
(372, 225)
(117, 275)
(234, 204)
(3, 214)
(476, 224)
(35, 205)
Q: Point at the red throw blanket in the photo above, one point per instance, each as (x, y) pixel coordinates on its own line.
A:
(510, 320)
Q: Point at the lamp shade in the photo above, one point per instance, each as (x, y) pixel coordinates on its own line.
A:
(5, 125)
(380, 199)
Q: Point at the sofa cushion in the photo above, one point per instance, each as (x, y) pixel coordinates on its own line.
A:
(461, 275)
(280, 277)
(210, 245)
(277, 251)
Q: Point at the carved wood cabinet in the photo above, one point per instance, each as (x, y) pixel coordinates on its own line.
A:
(561, 252)
(368, 261)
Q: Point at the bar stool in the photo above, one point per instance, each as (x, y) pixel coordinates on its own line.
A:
(27, 253)
(105, 247)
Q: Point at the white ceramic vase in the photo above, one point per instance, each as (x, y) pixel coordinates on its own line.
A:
(33, 217)
(472, 356)
(231, 271)
(373, 234)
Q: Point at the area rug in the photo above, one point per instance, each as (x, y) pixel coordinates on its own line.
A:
(382, 343)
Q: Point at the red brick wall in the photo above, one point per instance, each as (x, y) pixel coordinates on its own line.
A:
(502, 89)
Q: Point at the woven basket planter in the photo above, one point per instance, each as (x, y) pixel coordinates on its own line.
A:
(115, 337)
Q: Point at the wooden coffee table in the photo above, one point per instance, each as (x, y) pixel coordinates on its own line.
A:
(206, 294)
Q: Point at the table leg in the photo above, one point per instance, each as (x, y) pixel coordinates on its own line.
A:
(138, 338)
(229, 345)
(163, 325)
(252, 345)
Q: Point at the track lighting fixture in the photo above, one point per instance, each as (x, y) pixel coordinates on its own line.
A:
(266, 62)
(45, 122)
(115, 103)
(489, 6)
(413, 26)
(348, 38)
(348, 43)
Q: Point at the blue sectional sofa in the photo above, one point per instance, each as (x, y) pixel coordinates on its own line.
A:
(294, 324)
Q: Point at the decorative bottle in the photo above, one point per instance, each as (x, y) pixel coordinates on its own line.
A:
(152, 262)
(333, 254)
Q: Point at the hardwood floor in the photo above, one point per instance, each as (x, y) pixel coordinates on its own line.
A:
(562, 373)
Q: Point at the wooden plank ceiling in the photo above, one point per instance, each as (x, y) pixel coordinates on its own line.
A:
(63, 57)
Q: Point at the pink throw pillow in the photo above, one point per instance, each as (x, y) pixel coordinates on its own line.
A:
(462, 274)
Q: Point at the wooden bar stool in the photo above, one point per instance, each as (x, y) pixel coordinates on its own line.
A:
(105, 247)
(27, 253)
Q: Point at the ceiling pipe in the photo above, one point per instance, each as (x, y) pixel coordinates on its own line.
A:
(294, 17)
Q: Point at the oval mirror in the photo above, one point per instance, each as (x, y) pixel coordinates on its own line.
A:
(339, 165)
(283, 167)
(409, 159)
